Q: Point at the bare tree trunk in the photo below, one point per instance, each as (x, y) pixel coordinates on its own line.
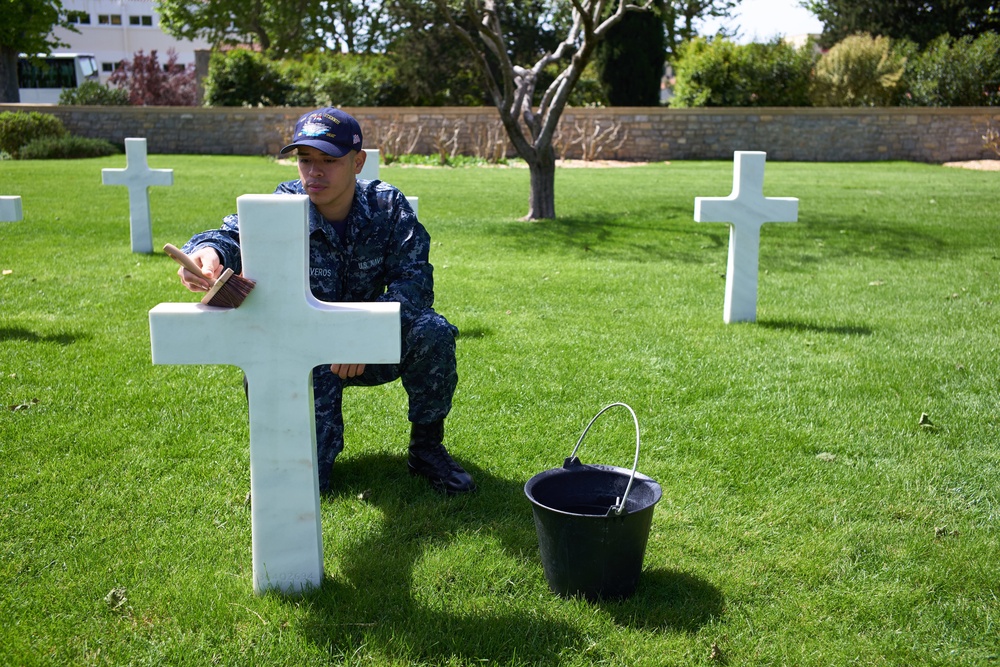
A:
(542, 199)
(9, 92)
(532, 124)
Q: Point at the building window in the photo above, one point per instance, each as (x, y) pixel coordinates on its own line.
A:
(108, 68)
(141, 20)
(82, 18)
(109, 19)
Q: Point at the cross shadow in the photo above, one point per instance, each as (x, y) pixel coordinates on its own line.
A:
(18, 333)
(368, 597)
(791, 325)
(470, 332)
(370, 600)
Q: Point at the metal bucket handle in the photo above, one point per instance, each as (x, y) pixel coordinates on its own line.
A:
(620, 505)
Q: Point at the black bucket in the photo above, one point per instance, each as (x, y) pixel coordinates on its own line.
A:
(593, 523)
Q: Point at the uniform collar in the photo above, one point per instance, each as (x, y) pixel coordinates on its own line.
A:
(359, 211)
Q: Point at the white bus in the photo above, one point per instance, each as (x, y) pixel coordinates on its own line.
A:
(42, 79)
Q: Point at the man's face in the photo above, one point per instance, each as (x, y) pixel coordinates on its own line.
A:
(329, 181)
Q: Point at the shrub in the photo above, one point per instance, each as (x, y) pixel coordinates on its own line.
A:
(66, 147)
(18, 128)
(342, 79)
(860, 71)
(92, 93)
(719, 73)
(300, 75)
(242, 78)
(956, 72)
(150, 84)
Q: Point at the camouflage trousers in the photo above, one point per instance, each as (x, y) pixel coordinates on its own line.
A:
(427, 370)
(429, 375)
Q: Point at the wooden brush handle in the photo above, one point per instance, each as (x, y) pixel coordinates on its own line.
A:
(184, 260)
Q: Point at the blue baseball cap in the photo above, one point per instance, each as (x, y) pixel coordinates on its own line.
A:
(330, 130)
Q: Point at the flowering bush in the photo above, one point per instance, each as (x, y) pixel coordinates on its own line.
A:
(150, 84)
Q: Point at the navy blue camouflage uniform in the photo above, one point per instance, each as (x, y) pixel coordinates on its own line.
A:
(382, 256)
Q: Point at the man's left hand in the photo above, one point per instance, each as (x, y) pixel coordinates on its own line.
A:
(346, 371)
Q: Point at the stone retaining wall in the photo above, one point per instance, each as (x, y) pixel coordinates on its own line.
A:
(932, 135)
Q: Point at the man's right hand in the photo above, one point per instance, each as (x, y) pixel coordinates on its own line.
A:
(211, 265)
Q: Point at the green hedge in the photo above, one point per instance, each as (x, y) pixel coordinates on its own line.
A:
(719, 73)
(858, 71)
(92, 93)
(956, 72)
(18, 128)
(244, 78)
(67, 147)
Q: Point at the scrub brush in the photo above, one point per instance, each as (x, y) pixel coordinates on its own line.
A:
(229, 290)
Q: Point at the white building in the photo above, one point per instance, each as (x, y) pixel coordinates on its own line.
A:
(115, 30)
(799, 41)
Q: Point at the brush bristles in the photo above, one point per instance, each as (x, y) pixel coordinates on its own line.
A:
(229, 291)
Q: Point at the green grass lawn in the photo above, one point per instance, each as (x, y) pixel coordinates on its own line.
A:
(807, 517)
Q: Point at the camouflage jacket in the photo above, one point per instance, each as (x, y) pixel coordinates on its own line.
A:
(383, 257)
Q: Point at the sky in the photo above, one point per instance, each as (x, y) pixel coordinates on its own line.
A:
(761, 20)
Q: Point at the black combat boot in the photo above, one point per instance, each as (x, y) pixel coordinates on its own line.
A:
(428, 458)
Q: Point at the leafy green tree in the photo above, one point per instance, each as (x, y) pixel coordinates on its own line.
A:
(920, 21)
(681, 19)
(680, 24)
(720, 73)
(631, 58)
(282, 28)
(278, 27)
(363, 26)
(26, 27)
(431, 61)
(859, 71)
(955, 72)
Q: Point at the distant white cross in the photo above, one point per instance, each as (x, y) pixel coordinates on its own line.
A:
(746, 209)
(10, 209)
(279, 333)
(370, 172)
(138, 177)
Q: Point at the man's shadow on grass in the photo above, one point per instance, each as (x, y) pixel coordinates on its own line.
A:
(369, 598)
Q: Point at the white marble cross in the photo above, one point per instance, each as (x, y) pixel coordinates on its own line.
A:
(10, 209)
(278, 334)
(138, 177)
(746, 209)
(370, 172)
